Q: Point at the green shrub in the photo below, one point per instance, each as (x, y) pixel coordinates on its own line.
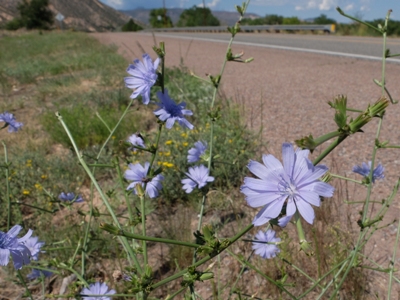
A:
(131, 26)
(14, 24)
(197, 16)
(36, 14)
(86, 128)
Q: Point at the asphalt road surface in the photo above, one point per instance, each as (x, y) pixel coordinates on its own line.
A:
(348, 46)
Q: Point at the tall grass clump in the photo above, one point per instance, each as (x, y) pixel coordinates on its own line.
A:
(146, 195)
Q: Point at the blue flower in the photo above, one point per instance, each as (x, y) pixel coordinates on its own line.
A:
(10, 121)
(97, 289)
(70, 197)
(136, 140)
(11, 245)
(36, 273)
(197, 151)
(138, 175)
(264, 244)
(34, 246)
(365, 169)
(170, 112)
(144, 76)
(198, 176)
(296, 183)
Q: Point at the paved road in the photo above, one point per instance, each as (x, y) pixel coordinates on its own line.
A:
(356, 47)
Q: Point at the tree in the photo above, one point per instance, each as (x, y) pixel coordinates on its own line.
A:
(273, 20)
(36, 14)
(291, 21)
(197, 16)
(131, 26)
(159, 18)
(323, 19)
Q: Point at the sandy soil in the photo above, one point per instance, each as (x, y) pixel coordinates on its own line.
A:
(287, 93)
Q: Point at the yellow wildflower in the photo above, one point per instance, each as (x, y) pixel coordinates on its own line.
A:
(26, 192)
(169, 142)
(184, 135)
(167, 153)
(43, 176)
(38, 186)
(230, 141)
(185, 144)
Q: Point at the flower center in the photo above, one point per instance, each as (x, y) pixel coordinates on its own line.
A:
(174, 110)
(287, 188)
(150, 78)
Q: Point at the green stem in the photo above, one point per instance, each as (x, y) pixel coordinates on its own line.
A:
(176, 293)
(357, 20)
(322, 278)
(346, 178)
(143, 215)
(210, 161)
(98, 188)
(240, 275)
(72, 270)
(203, 260)
(121, 183)
(21, 278)
(117, 231)
(305, 246)
(35, 207)
(354, 110)
(369, 189)
(278, 285)
(326, 137)
(7, 186)
(316, 283)
(329, 149)
(154, 154)
(384, 53)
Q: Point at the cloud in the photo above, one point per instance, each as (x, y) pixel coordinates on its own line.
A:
(211, 4)
(349, 7)
(182, 3)
(114, 3)
(311, 4)
(327, 4)
(365, 5)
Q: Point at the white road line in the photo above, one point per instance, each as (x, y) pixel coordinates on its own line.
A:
(342, 54)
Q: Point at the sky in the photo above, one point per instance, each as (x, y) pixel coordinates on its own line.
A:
(304, 9)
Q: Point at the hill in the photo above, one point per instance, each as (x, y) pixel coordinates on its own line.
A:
(225, 17)
(88, 15)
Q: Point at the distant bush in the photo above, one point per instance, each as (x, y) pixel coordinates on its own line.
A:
(14, 24)
(291, 21)
(131, 26)
(197, 16)
(159, 18)
(323, 19)
(393, 27)
(35, 14)
(267, 20)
